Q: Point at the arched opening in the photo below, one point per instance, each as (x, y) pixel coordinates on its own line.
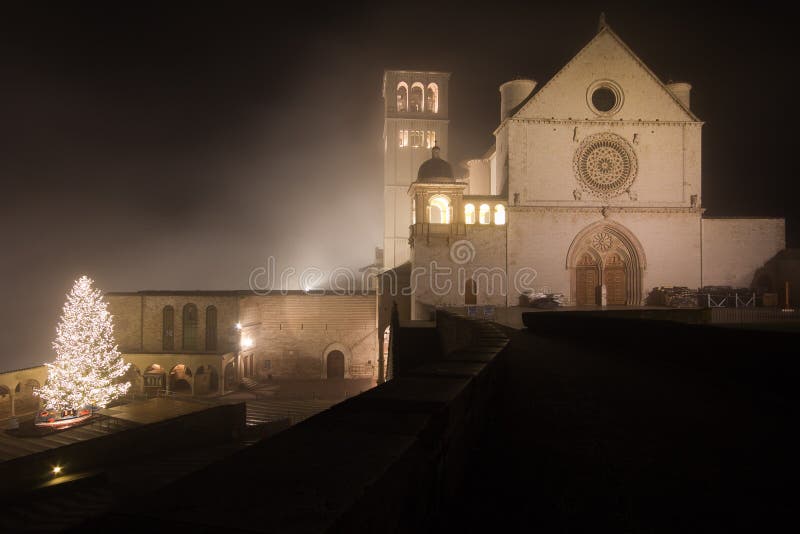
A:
(606, 253)
(432, 98)
(413, 211)
(402, 96)
(485, 214)
(180, 379)
(415, 101)
(469, 214)
(499, 214)
(439, 210)
(168, 329)
(154, 379)
(211, 329)
(470, 292)
(335, 365)
(190, 327)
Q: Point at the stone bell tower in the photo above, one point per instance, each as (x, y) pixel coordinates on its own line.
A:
(415, 120)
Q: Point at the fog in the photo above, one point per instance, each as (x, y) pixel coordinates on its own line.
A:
(176, 149)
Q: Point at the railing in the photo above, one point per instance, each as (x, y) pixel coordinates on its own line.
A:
(752, 315)
(362, 370)
(721, 301)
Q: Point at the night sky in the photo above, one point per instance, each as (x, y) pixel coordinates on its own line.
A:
(177, 148)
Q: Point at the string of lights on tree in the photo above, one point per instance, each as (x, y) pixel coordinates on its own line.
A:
(88, 370)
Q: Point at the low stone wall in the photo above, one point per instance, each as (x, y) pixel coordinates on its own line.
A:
(382, 461)
(212, 425)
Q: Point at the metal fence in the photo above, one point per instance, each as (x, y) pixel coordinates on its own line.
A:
(752, 315)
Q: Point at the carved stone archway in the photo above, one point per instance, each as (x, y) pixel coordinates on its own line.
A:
(612, 247)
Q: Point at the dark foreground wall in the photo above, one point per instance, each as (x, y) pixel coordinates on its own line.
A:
(383, 461)
(213, 425)
(763, 360)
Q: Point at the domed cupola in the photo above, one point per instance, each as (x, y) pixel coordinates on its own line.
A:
(435, 170)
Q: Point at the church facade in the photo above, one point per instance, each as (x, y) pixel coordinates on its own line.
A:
(593, 189)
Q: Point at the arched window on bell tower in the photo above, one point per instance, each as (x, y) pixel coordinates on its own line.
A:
(402, 96)
(415, 101)
(432, 98)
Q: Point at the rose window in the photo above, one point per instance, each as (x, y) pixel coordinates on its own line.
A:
(605, 165)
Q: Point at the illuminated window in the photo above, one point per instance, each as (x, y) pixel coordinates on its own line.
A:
(402, 96)
(416, 138)
(485, 214)
(430, 139)
(469, 214)
(414, 211)
(439, 210)
(499, 214)
(415, 102)
(403, 138)
(432, 98)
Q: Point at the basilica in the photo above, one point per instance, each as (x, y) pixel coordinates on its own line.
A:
(592, 190)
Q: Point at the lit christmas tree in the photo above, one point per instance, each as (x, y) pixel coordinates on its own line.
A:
(88, 369)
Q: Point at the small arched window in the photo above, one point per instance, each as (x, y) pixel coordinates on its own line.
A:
(168, 329)
(415, 100)
(469, 214)
(211, 329)
(413, 211)
(499, 214)
(190, 327)
(485, 214)
(439, 210)
(432, 98)
(402, 96)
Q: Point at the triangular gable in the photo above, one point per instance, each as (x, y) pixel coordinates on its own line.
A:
(605, 57)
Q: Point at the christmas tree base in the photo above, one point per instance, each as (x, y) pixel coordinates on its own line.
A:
(60, 419)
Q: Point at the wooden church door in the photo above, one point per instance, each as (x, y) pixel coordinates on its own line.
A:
(587, 280)
(615, 281)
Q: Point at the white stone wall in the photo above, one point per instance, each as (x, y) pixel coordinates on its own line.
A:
(540, 238)
(486, 266)
(542, 152)
(733, 249)
(605, 58)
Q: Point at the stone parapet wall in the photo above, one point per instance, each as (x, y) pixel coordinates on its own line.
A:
(383, 461)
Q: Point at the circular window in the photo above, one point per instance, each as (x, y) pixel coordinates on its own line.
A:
(604, 97)
(605, 165)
